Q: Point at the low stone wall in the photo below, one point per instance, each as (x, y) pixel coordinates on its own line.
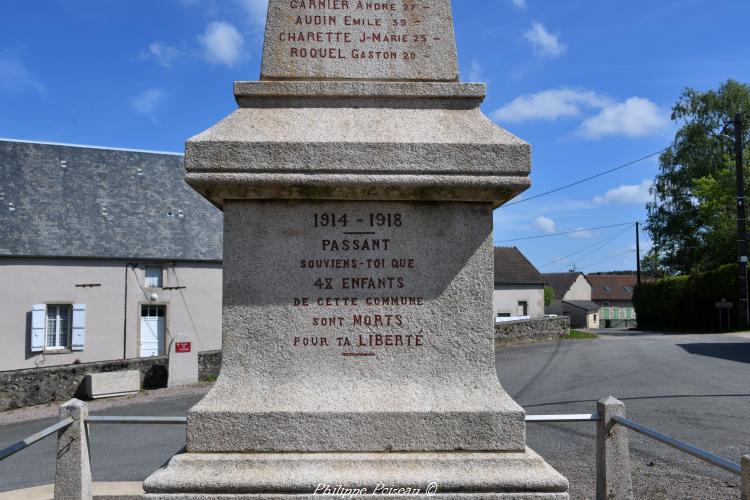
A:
(209, 363)
(532, 329)
(35, 386)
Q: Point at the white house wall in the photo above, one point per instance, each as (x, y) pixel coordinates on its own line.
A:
(506, 298)
(112, 314)
(580, 290)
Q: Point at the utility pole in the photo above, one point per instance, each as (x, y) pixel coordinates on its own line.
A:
(638, 251)
(742, 249)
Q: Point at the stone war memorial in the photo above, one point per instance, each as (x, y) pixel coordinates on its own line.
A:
(358, 179)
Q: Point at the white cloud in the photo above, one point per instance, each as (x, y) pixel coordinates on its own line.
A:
(222, 44)
(544, 224)
(16, 77)
(475, 72)
(550, 105)
(147, 103)
(545, 43)
(519, 3)
(636, 117)
(626, 194)
(162, 53)
(582, 234)
(257, 11)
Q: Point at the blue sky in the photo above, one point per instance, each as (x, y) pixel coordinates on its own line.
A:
(588, 83)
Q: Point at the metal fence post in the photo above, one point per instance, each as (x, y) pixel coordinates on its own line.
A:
(613, 473)
(72, 468)
(746, 477)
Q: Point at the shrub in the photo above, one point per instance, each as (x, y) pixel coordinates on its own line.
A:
(686, 303)
(549, 295)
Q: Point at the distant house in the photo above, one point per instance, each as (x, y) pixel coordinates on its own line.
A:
(104, 254)
(519, 288)
(613, 293)
(573, 299)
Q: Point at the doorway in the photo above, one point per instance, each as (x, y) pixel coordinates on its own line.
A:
(153, 329)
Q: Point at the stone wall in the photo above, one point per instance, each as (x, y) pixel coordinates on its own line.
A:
(209, 363)
(531, 329)
(35, 386)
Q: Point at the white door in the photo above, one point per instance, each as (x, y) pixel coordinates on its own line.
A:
(153, 327)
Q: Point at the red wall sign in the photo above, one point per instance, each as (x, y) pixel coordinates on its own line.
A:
(182, 346)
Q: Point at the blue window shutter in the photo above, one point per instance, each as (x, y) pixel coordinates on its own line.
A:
(37, 327)
(79, 327)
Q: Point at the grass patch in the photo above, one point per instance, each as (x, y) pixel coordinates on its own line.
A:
(577, 334)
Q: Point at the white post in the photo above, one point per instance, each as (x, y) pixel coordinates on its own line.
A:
(73, 469)
(746, 477)
(613, 472)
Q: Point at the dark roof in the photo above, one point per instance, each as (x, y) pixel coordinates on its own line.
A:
(511, 267)
(586, 305)
(612, 286)
(76, 201)
(561, 282)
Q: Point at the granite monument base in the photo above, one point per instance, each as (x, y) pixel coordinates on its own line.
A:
(455, 475)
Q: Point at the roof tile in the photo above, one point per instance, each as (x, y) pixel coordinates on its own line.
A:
(512, 267)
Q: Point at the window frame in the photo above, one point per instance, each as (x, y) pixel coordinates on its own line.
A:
(146, 277)
(58, 347)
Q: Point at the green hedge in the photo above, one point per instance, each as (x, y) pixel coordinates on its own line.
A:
(686, 303)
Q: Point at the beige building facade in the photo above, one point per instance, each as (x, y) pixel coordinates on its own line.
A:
(117, 314)
(519, 300)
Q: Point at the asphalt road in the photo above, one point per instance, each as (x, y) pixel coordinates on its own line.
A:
(694, 387)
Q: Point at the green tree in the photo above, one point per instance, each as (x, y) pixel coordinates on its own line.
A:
(549, 295)
(692, 221)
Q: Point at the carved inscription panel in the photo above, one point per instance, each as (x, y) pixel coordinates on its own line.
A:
(359, 279)
(353, 39)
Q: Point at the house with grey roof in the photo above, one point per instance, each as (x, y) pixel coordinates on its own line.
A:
(519, 288)
(573, 299)
(104, 254)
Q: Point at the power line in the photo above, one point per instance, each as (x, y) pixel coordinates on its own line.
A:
(600, 174)
(595, 244)
(568, 232)
(607, 259)
(609, 241)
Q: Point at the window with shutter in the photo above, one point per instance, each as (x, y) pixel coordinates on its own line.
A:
(58, 326)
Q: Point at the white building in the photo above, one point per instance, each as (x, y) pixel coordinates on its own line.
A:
(519, 288)
(573, 299)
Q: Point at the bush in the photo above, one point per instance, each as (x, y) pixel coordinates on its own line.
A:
(686, 303)
(549, 295)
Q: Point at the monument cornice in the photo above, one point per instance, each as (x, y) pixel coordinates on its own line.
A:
(218, 187)
(337, 140)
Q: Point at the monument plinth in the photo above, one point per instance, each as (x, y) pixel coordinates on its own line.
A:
(357, 181)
